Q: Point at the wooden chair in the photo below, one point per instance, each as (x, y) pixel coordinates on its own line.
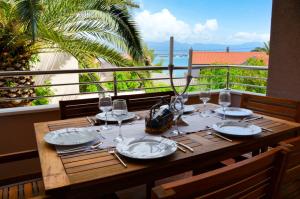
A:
(290, 186)
(88, 107)
(26, 186)
(144, 101)
(275, 107)
(257, 177)
(78, 108)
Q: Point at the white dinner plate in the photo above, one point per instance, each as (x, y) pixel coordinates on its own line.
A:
(234, 111)
(188, 108)
(148, 147)
(71, 136)
(110, 118)
(235, 128)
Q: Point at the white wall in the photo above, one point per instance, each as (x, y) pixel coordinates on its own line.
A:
(58, 61)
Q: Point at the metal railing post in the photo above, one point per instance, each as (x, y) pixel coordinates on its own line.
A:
(115, 84)
(228, 77)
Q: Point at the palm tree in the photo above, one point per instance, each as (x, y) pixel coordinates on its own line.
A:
(86, 29)
(265, 49)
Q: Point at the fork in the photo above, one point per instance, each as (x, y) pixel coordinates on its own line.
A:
(80, 149)
(251, 119)
(216, 134)
(112, 151)
(185, 146)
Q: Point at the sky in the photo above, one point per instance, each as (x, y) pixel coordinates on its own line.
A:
(204, 21)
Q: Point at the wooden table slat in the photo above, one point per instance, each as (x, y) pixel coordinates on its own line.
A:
(92, 166)
(82, 156)
(89, 161)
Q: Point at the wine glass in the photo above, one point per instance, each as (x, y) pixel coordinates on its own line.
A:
(105, 105)
(205, 97)
(119, 112)
(177, 109)
(185, 97)
(224, 100)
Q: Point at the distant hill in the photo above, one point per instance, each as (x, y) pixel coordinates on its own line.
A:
(163, 47)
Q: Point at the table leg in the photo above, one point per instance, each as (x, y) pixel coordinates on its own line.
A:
(149, 187)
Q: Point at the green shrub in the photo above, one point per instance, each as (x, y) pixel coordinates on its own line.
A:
(251, 77)
(42, 91)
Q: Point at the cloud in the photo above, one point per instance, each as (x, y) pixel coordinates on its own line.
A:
(161, 25)
(250, 37)
(211, 24)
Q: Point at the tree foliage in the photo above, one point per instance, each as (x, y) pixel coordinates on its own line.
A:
(86, 29)
(240, 79)
(265, 48)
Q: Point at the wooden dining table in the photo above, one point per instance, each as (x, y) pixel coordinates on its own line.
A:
(97, 172)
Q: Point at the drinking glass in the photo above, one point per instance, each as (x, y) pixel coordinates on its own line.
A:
(185, 97)
(177, 109)
(105, 105)
(205, 97)
(119, 112)
(224, 101)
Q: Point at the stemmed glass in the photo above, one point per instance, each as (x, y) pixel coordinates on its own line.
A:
(224, 100)
(105, 105)
(177, 109)
(119, 112)
(185, 97)
(205, 97)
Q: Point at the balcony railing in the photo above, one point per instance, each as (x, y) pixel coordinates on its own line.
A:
(229, 77)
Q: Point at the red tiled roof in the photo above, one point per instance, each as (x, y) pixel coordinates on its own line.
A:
(235, 58)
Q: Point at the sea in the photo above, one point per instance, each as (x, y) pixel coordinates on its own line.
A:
(179, 60)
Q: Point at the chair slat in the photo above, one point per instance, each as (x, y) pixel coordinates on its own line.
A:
(35, 190)
(280, 111)
(290, 186)
(88, 107)
(28, 190)
(41, 187)
(257, 176)
(293, 160)
(246, 185)
(5, 193)
(21, 191)
(144, 101)
(261, 192)
(13, 192)
(78, 108)
(276, 107)
(22, 155)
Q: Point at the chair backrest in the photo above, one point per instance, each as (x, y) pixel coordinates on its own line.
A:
(256, 177)
(290, 186)
(144, 101)
(276, 107)
(17, 157)
(88, 107)
(78, 108)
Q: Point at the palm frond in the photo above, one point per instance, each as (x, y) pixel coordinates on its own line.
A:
(82, 49)
(116, 22)
(128, 30)
(29, 12)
